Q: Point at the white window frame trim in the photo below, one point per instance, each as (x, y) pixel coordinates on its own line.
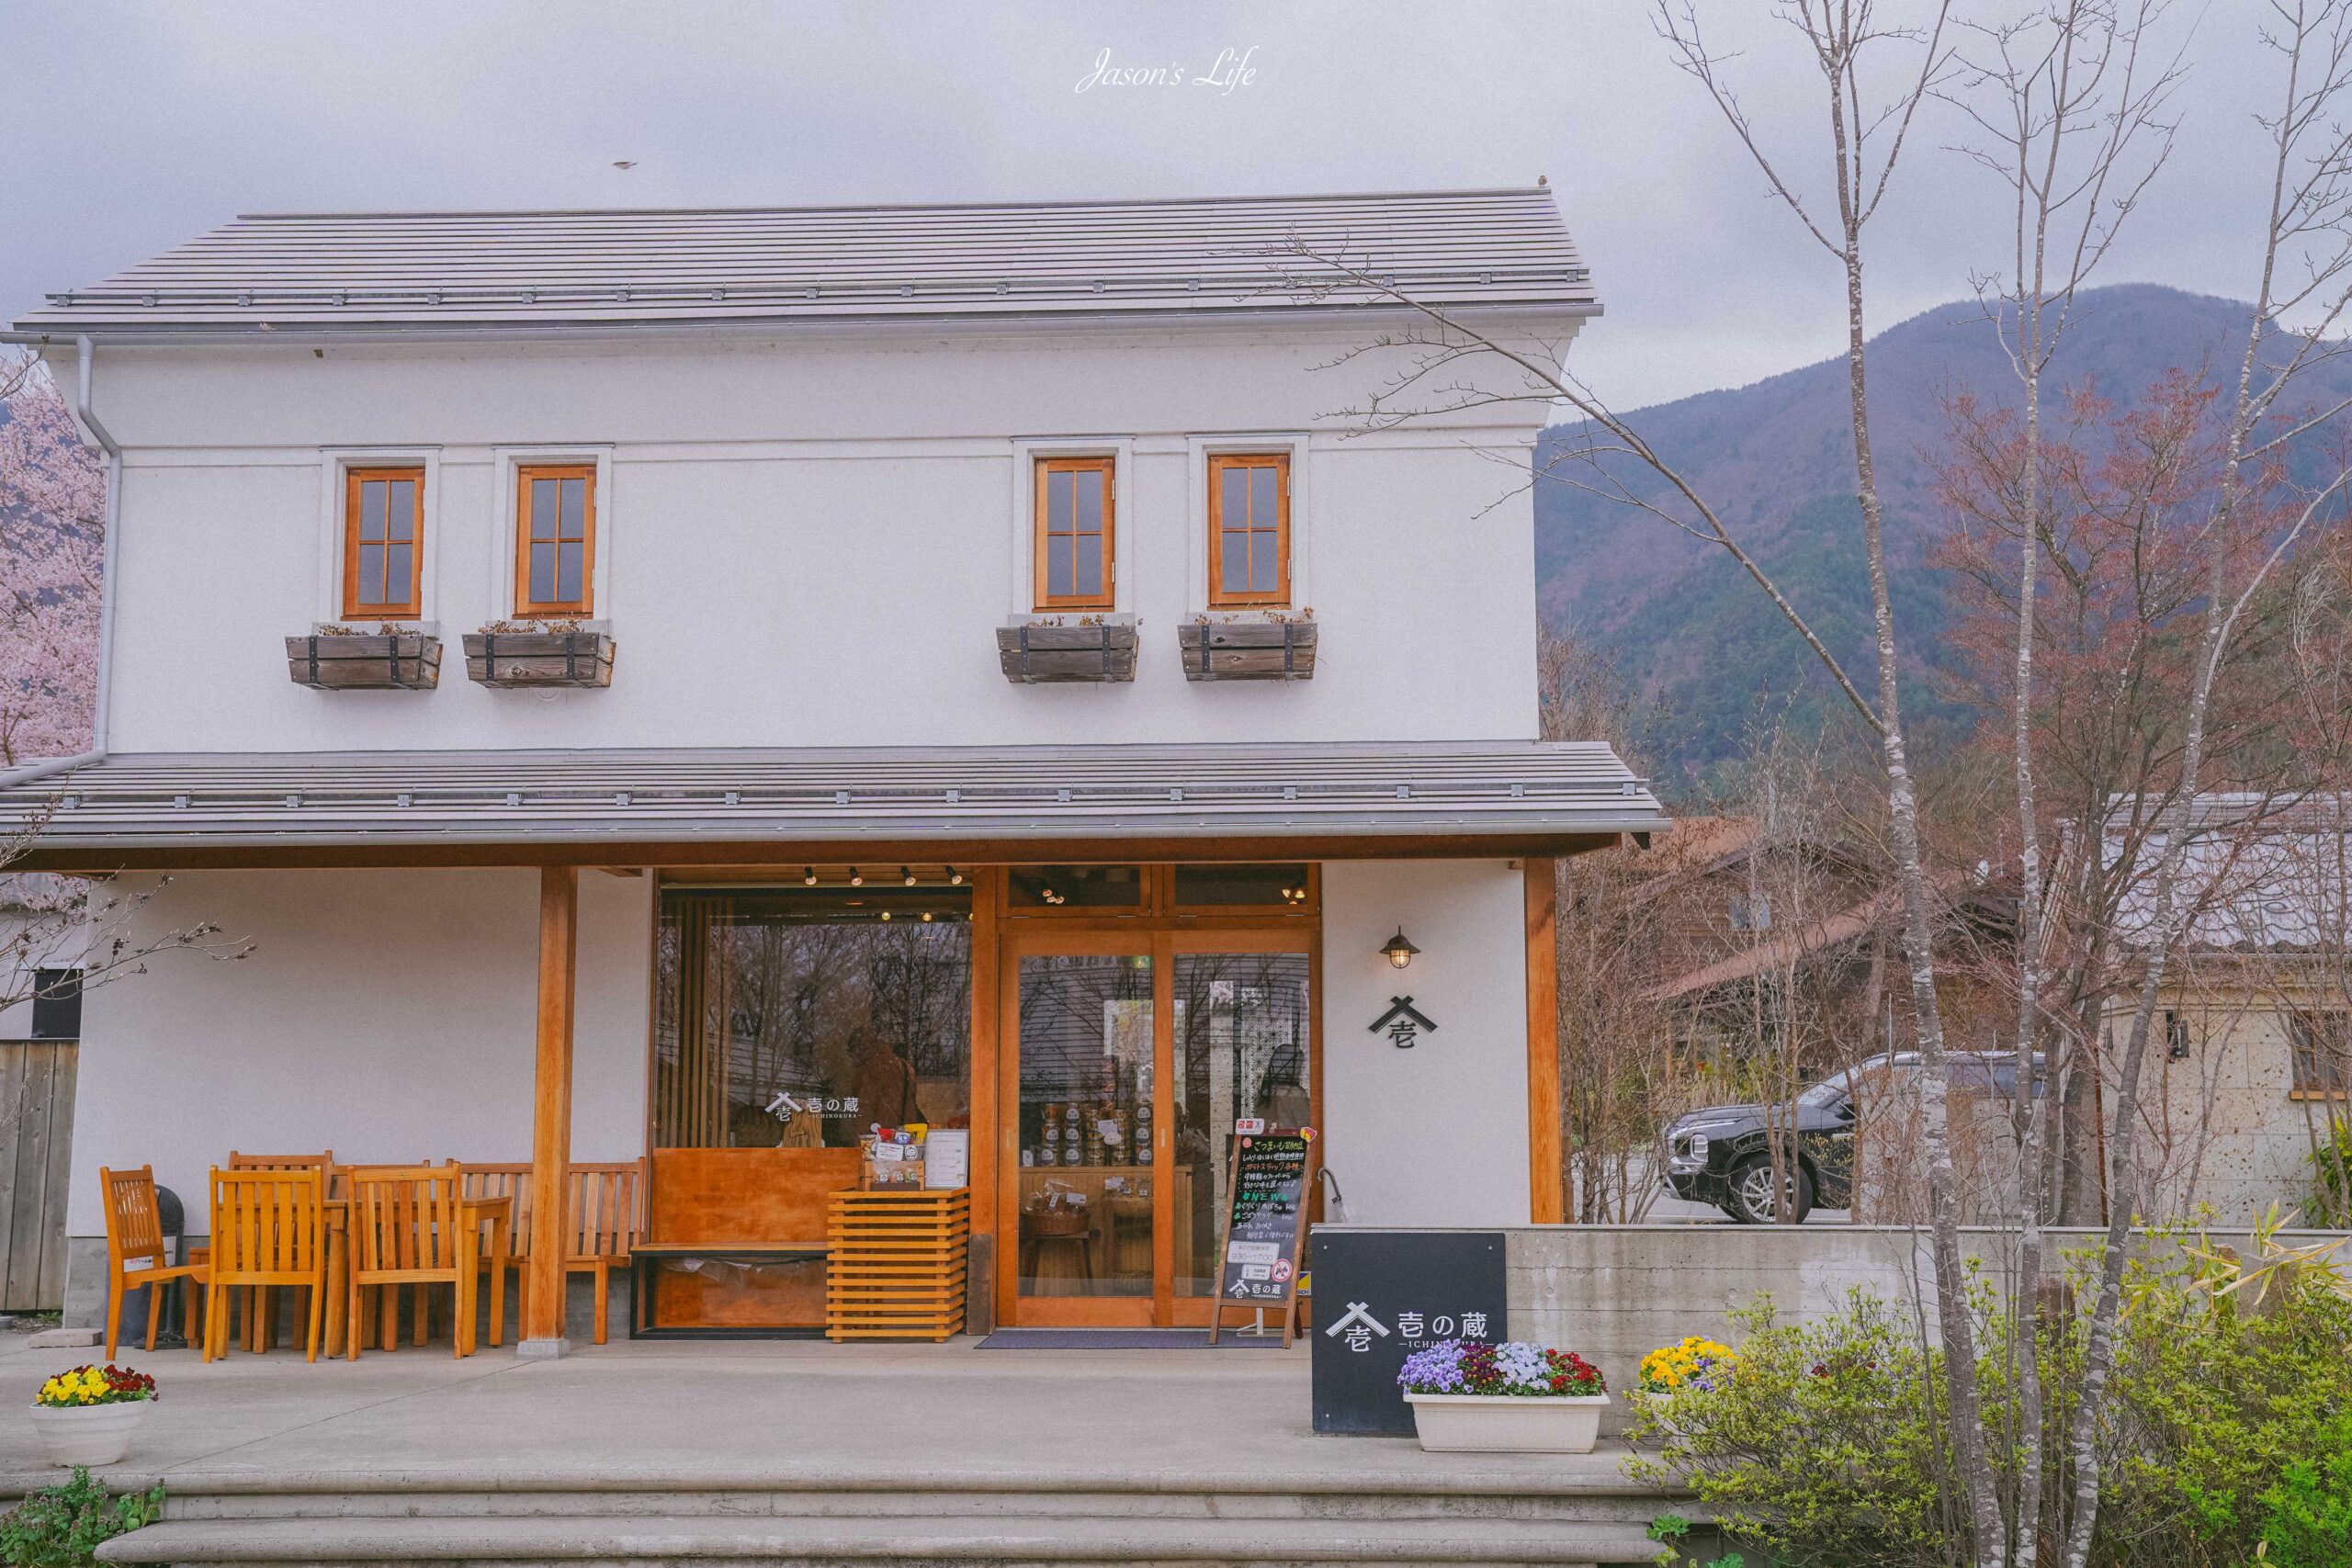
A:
(1199, 449)
(505, 462)
(1023, 584)
(334, 462)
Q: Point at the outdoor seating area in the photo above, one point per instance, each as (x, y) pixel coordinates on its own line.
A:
(347, 1241)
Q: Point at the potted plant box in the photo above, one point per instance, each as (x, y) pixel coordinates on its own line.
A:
(1273, 649)
(1469, 1396)
(1094, 648)
(337, 659)
(88, 1414)
(554, 653)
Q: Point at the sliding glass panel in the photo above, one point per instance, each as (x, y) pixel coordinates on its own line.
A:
(1085, 1110)
(1241, 1050)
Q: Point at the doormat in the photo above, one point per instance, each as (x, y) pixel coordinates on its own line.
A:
(1123, 1340)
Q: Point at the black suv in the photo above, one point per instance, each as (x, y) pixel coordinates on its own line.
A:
(1721, 1156)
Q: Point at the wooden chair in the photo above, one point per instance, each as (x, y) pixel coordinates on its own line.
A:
(135, 1235)
(261, 1315)
(405, 1231)
(268, 1229)
(512, 1181)
(602, 1222)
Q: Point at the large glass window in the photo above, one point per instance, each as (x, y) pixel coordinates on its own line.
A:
(799, 1018)
(1085, 1110)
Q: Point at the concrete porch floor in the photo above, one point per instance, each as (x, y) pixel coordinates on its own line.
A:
(663, 1414)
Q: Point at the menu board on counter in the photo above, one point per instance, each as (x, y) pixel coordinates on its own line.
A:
(1271, 1180)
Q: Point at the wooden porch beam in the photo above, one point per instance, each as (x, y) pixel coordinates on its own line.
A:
(542, 1333)
(1546, 1188)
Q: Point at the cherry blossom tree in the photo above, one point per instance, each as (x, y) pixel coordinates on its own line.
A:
(52, 526)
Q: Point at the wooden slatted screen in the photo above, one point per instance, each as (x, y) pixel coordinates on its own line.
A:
(36, 1157)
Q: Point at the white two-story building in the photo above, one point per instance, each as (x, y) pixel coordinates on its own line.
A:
(689, 685)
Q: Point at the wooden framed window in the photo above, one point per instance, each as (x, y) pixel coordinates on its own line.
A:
(383, 544)
(2321, 1046)
(555, 540)
(1076, 534)
(1250, 530)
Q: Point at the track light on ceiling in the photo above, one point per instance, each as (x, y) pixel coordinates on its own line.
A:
(808, 876)
(857, 878)
(954, 877)
(906, 876)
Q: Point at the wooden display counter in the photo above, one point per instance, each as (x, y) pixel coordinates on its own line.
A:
(736, 1241)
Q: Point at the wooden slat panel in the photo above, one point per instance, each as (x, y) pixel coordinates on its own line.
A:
(64, 1071)
(16, 1131)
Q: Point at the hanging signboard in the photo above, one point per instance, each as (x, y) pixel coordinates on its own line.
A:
(1382, 1294)
(1264, 1229)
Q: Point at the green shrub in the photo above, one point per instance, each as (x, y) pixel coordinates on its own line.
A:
(2331, 1162)
(60, 1527)
(2227, 1442)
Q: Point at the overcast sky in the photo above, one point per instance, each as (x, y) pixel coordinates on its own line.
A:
(132, 126)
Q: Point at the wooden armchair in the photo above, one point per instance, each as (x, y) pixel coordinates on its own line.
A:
(268, 1229)
(512, 1181)
(404, 1231)
(135, 1237)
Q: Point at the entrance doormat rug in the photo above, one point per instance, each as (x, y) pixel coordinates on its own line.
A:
(1123, 1340)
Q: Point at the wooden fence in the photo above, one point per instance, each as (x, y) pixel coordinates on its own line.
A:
(35, 1155)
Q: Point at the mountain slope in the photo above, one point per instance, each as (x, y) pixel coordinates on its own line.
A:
(1700, 641)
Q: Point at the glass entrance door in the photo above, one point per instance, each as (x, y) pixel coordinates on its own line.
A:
(1129, 1057)
(1087, 1076)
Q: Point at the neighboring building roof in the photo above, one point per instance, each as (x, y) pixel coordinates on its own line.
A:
(2259, 872)
(1514, 792)
(472, 270)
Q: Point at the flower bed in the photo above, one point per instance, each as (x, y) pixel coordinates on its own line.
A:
(1697, 1361)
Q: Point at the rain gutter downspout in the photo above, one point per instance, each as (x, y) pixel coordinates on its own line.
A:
(49, 766)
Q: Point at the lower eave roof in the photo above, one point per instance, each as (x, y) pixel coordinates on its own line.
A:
(1373, 800)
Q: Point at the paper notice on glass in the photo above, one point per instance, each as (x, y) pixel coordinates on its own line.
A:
(950, 1156)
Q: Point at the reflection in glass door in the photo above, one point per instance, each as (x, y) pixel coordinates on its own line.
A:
(1086, 1075)
(1241, 1049)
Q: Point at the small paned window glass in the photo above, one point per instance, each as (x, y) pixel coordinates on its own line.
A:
(555, 528)
(383, 543)
(1076, 534)
(1250, 530)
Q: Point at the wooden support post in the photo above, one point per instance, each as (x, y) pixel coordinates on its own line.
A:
(542, 1333)
(1547, 1190)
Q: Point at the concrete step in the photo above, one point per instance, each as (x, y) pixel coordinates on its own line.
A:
(1621, 1504)
(582, 1541)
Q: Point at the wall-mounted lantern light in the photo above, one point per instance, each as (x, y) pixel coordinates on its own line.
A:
(1399, 951)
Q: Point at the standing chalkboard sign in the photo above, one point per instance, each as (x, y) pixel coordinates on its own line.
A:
(1264, 1231)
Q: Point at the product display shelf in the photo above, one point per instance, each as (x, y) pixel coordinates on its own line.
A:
(896, 1269)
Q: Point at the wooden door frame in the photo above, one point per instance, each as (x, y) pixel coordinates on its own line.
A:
(1162, 939)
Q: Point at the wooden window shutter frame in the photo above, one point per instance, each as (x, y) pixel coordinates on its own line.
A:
(408, 608)
(1221, 596)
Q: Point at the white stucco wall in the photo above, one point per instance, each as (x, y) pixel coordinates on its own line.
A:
(807, 542)
(387, 1015)
(1437, 1134)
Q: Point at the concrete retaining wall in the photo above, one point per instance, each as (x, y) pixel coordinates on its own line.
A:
(1613, 1293)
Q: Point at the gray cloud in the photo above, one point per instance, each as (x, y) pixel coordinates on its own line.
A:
(136, 126)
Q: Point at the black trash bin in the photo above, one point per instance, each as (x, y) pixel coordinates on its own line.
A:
(171, 1217)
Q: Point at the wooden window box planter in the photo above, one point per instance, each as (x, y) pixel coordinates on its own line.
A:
(1041, 652)
(1248, 650)
(345, 662)
(539, 658)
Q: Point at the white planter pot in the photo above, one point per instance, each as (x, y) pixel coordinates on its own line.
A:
(88, 1434)
(1502, 1422)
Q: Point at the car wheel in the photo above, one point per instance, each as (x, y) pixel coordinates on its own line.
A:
(1751, 1192)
